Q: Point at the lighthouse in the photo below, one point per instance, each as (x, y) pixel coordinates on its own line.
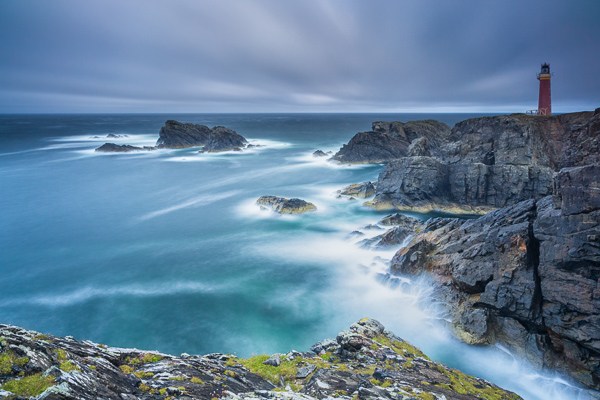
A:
(544, 102)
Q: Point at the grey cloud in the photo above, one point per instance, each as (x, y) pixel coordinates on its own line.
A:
(309, 55)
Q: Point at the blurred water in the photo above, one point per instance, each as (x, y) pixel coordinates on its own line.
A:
(166, 250)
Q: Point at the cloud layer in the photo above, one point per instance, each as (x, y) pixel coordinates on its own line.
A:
(309, 55)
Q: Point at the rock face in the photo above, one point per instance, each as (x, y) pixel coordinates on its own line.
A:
(364, 362)
(224, 139)
(526, 275)
(284, 205)
(121, 148)
(177, 135)
(391, 140)
(488, 163)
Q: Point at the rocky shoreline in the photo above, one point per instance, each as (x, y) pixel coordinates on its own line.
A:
(364, 362)
(527, 273)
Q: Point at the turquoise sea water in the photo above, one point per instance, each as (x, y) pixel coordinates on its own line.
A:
(166, 250)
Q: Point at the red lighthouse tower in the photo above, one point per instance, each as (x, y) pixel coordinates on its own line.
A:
(544, 102)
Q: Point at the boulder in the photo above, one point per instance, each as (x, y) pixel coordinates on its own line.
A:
(284, 205)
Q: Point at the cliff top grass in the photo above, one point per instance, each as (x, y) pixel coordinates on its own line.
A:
(29, 386)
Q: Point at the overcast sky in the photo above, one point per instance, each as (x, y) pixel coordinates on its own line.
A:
(296, 56)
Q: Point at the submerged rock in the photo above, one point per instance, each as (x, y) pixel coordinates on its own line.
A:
(365, 361)
(121, 148)
(284, 205)
(359, 190)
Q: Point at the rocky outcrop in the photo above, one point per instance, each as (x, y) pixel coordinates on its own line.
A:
(391, 140)
(526, 275)
(319, 153)
(487, 163)
(284, 205)
(364, 362)
(403, 228)
(178, 135)
(224, 139)
(121, 148)
(359, 190)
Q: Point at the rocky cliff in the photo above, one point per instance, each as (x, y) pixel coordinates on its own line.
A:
(391, 140)
(483, 163)
(527, 275)
(364, 362)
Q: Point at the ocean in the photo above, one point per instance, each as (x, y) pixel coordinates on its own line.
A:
(167, 251)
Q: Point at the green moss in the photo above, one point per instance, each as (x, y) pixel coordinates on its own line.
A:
(29, 386)
(143, 374)
(369, 370)
(147, 358)
(162, 391)
(144, 388)
(61, 355)
(425, 396)
(68, 366)
(8, 360)
(92, 367)
(326, 356)
(177, 378)
(286, 370)
(197, 380)
(467, 385)
(127, 369)
(230, 373)
(400, 347)
(231, 362)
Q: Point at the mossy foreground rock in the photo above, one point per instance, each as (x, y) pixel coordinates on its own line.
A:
(364, 362)
(283, 205)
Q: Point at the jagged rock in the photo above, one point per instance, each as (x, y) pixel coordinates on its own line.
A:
(224, 139)
(319, 153)
(400, 219)
(178, 135)
(388, 141)
(525, 275)
(359, 190)
(367, 360)
(391, 237)
(121, 148)
(284, 205)
(488, 163)
(115, 136)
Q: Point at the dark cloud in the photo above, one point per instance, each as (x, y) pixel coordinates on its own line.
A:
(271, 55)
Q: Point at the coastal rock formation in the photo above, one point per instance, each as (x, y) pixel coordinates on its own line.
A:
(284, 205)
(121, 148)
(364, 362)
(403, 227)
(319, 153)
(391, 140)
(359, 190)
(177, 135)
(224, 139)
(487, 163)
(526, 275)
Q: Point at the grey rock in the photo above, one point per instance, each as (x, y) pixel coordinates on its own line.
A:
(525, 275)
(382, 366)
(177, 135)
(224, 139)
(274, 360)
(319, 153)
(359, 190)
(284, 205)
(389, 141)
(121, 148)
